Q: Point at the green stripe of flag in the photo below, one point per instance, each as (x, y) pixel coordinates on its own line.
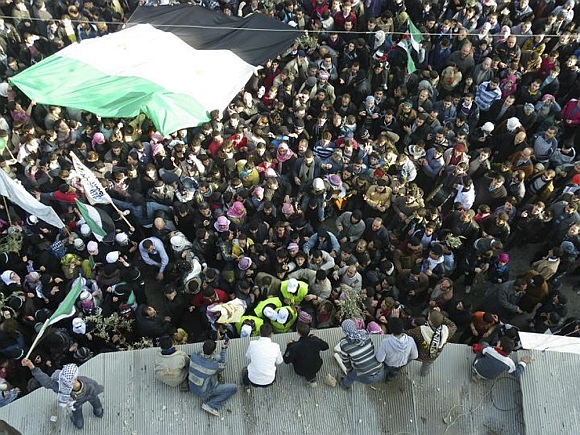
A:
(87, 214)
(67, 306)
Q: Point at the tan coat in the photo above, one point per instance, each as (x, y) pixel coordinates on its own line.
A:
(171, 369)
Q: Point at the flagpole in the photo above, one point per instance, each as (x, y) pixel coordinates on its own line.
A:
(38, 337)
(7, 211)
(131, 228)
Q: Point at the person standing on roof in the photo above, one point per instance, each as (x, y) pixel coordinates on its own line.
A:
(73, 390)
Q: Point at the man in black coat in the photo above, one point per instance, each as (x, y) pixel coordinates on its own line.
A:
(304, 354)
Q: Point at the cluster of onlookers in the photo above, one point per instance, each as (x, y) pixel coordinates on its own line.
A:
(352, 178)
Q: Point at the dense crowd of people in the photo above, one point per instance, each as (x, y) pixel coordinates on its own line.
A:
(355, 177)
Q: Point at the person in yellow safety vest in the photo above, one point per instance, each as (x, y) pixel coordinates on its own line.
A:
(281, 319)
(293, 291)
(249, 326)
(259, 309)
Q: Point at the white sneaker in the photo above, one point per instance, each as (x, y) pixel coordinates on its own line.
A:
(467, 289)
(210, 410)
(313, 384)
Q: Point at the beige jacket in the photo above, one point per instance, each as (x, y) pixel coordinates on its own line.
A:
(171, 369)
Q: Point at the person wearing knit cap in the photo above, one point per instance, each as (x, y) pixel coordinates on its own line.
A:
(304, 354)
(73, 390)
(357, 354)
(304, 317)
(171, 365)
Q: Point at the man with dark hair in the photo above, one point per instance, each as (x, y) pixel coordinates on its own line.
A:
(153, 253)
(397, 349)
(204, 369)
(304, 354)
(150, 323)
(491, 362)
(264, 356)
(171, 364)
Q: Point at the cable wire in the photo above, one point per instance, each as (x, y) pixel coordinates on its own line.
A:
(290, 28)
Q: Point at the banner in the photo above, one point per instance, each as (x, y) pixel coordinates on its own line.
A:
(16, 193)
(94, 190)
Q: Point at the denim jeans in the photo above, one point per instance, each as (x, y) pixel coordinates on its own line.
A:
(352, 377)
(220, 395)
(392, 372)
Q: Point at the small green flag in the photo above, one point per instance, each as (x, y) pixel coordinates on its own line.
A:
(67, 306)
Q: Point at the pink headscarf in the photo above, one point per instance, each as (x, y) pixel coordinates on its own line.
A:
(283, 157)
(374, 328)
(237, 210)
(98, 138)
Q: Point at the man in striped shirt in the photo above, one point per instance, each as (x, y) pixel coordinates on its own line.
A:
(357, 353)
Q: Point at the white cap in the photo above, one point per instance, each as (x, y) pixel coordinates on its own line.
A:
(85, 230)
(177, 242)
(282, 315)
(122, 238)
(32, 220)
(513, 123)
(488, 127)
(292, 285)
(79, 244)
(246, 331)
(318, 184)
(270, 313)
(112, 257)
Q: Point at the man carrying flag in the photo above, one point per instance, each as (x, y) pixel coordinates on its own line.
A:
(73, 390)
(66, 309)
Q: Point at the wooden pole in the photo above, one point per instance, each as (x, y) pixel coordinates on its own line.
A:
(7, 211)
(131, 228)
(38, 337)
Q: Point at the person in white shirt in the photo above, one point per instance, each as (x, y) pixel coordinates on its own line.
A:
(264, 356)
(396, 350)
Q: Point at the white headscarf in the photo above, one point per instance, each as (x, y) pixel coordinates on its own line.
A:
(79, 326)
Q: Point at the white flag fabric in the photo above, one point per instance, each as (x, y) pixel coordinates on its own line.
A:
(94, 190)
(16, 193)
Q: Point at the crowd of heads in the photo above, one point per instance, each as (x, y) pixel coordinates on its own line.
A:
(364, 170)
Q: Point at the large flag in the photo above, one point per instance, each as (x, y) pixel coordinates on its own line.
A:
(100, 223)
(67, 306)
(94, 190)
(173, 63)
(19, 195)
